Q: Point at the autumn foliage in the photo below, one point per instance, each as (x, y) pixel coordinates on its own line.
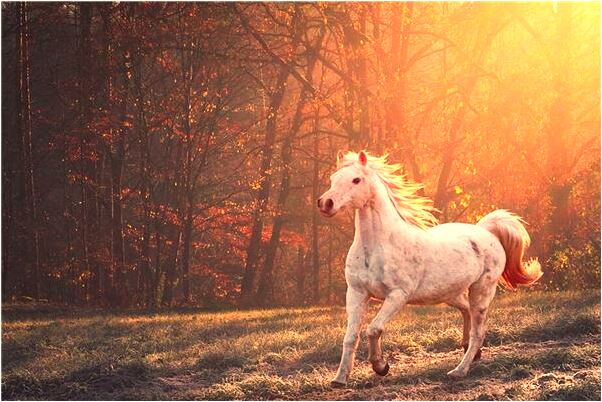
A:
(158, 154)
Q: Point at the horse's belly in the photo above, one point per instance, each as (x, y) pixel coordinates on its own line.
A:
(435, 297)
(432, 299)
(439, 289)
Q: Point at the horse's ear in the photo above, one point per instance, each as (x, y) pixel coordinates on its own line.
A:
(340, 156)
(363, 158)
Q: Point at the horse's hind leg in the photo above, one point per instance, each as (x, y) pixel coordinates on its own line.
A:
(479, 298)
(461, 303)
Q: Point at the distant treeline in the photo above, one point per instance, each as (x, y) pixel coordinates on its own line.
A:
(158, 154)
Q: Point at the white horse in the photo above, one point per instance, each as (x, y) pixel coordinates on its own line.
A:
(400, 255)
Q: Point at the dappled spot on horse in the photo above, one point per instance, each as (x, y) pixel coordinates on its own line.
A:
(475, 248)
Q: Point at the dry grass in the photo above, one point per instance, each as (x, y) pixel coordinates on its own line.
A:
(539, 346)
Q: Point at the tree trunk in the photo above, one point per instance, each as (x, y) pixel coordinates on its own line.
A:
(13, 185)
(118, 249)
(364, 103)
(189, 185)
(253, 250)
(153, 293)
(118, 246)
(265, 290)
(330, 290)
(560, 186)
(188, 226)
(145, 268)
(85, 18)
(441, 196)
(171, 273)
(32, 248)
(315, 250)
(110, 272)
(300, 277)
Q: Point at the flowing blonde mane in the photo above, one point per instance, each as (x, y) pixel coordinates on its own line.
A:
(412, 208)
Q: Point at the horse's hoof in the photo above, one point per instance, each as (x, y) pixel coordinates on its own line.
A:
(382, 372)
(455, 373)
(337, 384)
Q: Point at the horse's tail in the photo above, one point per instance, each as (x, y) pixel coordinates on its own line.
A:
(513, 236)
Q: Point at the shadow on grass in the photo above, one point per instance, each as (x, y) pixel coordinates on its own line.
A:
(510, 366)
(587, 390)
(571, 326)
(26, 348)
(133, 340)
(99, 334)
(95, 382)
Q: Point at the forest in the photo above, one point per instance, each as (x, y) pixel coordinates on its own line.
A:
(171, 154)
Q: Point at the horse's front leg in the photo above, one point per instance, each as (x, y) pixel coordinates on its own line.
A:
(355, 306)
(392, 304)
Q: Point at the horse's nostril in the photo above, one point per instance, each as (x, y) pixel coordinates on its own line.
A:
(329, 204)
(319, 202)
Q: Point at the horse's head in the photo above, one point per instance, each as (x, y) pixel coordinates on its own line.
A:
(349, 187)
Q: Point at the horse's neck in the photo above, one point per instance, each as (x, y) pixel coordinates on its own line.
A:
(378, 219)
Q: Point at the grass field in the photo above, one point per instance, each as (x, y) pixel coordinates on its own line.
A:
(538, 346)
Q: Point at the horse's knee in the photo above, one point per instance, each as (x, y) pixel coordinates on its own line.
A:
(478, 337)
(350, 342)
(373, 331)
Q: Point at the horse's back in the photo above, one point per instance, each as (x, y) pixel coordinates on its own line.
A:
(456, 227)
(456, 232)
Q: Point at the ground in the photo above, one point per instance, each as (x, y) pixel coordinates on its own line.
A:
(540, 345)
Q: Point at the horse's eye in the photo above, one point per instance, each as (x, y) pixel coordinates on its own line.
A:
(356, 180)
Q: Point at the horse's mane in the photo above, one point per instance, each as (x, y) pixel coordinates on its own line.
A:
(412, 208)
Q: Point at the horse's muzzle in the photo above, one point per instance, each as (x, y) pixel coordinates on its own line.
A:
(326, 206)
